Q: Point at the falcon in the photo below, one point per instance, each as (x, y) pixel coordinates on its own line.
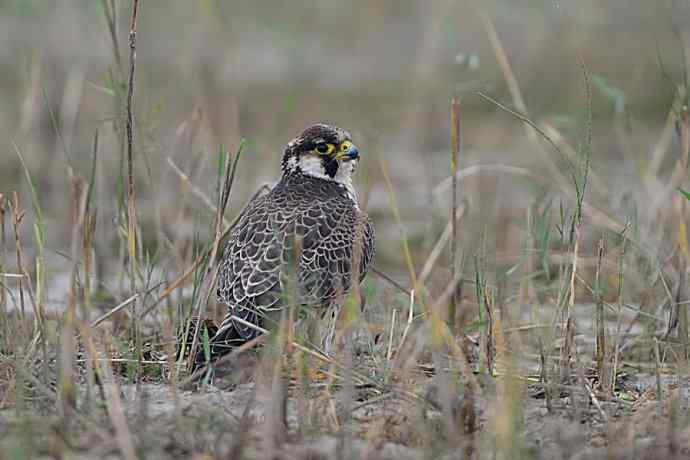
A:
(306, 244)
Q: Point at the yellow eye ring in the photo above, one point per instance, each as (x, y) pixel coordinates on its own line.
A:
(324, 149)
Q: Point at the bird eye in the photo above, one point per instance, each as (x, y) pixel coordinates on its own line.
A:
(322, 148)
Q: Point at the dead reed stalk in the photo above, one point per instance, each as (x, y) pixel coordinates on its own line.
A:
(17, 217)
(455, 151)
(3, 257)
(601, 354)
(131, 197)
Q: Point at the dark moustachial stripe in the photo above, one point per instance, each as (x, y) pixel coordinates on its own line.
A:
(258, 257)
(330, 165)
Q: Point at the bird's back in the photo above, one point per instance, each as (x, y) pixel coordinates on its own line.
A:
(304, 225)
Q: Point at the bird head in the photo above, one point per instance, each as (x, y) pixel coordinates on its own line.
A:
(323, 151)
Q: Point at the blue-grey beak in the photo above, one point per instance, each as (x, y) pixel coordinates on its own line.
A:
(347, 151)
(353, 153)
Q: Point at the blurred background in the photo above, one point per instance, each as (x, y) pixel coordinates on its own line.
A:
(564, 106)
(211, 73)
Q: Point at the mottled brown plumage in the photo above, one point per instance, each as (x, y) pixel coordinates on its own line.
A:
(309, 225)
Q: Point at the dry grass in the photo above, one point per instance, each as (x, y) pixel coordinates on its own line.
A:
(525, 306)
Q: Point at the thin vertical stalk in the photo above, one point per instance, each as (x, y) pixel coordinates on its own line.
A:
(67, 344)
(600, 329)
(131, 210)
(89, 230)
(681, 309)
(580, 184)
(480, 293)
(489, 304)
(455, 150)
(657, 371)
(569, 323)
(4, 317)
(131, 206)
(3, 257)
(619, 315)
(17, 217)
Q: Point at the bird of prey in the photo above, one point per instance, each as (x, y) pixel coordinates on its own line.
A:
(307, 235)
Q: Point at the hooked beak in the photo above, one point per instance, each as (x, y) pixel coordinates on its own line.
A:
(352, 153)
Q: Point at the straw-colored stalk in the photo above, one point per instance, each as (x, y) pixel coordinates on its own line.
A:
(3, 255)
(600, 320)
(131, 197)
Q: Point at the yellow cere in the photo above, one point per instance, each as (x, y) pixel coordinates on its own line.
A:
(345, 146)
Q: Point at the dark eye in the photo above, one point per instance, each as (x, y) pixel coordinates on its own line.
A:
(322, 148)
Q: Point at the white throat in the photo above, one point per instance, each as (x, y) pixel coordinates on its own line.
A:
(312, 166)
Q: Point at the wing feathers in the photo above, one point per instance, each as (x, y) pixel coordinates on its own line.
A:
(257, 257)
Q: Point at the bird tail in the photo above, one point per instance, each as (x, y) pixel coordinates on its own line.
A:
(222, 341)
